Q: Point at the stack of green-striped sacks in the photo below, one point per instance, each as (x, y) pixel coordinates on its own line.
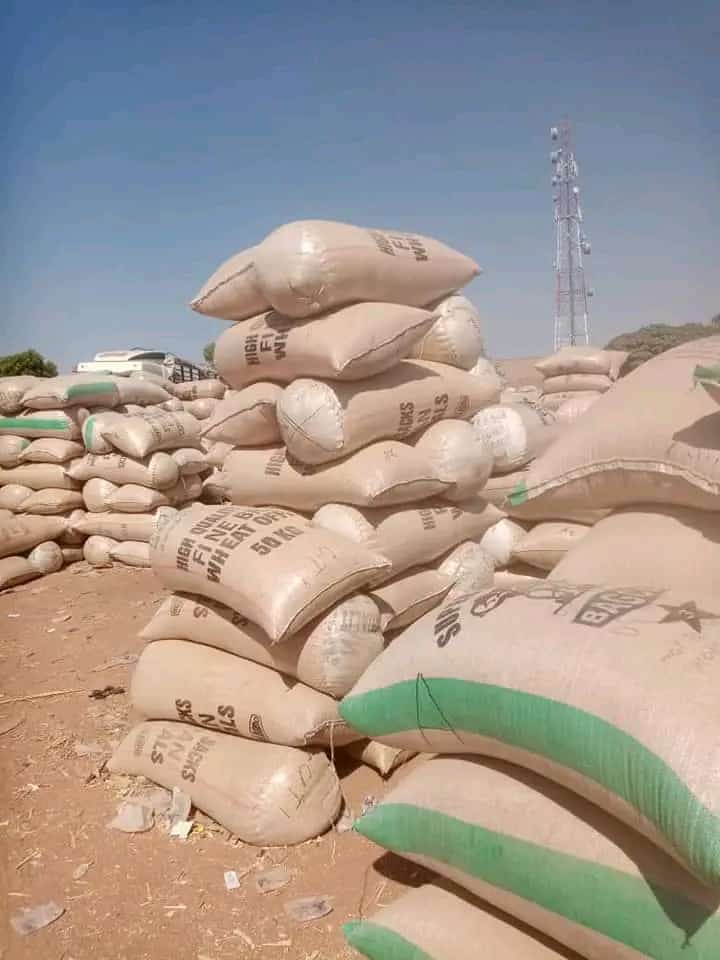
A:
(578, 784)
(85, 463)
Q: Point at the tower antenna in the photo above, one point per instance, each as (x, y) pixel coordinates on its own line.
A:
(571, 293)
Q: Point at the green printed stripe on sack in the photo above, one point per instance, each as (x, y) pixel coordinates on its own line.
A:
(88, 429)
(35, 423)
(518, 495)
(656, 922)
(83, 389)
(379, 943)
(571, 737)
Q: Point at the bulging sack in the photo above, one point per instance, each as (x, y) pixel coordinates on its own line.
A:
(11, 449)
(232, 292)
(51, 450)
(651, 439)
(441, 922)
(515, 434)
(154, 430)
(18, 534)
(329, 654)
(577, 381)
(309, 266)
(246, 418)
(351, 343)
(133, 553)
(240, 557)
(378, 756)
(45, 423)
(72, 555)
(212, 389)
(456, 335)
(98, 551)
(581, 359)
(71, 537)
(575, 407)
(93, 430)
(409, 536)
(544, 856)
(501, 539)
(119, 526)
(189, 461)
(16, 570)
(92, 390)
(201, 409)
(547, 544)
(48, 502)
(37, 476)
(264, 794)
(46, 557)
(12, 393)
(406, 598)
(13, 495)
(101, 495)
(660, 547)
(158, 471)
(385, 473)
(459, 455)
(322, 421)
(469, 567)
(215, 456)
(177, 680)
(504, 675)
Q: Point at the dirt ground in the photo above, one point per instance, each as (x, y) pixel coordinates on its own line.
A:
(139, 896)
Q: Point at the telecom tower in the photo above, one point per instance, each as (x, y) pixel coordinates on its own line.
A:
(571, 298)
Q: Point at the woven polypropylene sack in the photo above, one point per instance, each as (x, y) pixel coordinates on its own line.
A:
(11, 449)
(409, 536)
(547, 544)
(43, 423)
(158, 471)
(269, 565)
(37, 476)
(459, 455)
(329, 654)
(351, 343)
(548, 858)
(544, 676)
(177, 680)
(190, 461)
(246, 418)
(46, 557)
(380, 757)
(575, 407)
(382, 474)
(13, 495)
(578, 359)
(212, 389)
(661, 547)
(119, 526)
(18, 534)
(406, 598)
(16, 570)
(577, 381)
(12, 392)
(97, 551)
(142, 434)
(49, 502)
(456, 335)
(264, 794)
(322, 421)
(201, 409)
(500, 540)
(51, 450)
(232, 292)
(515, 434)
(438, 922)
(133, 553)
(651, 439)
(309, 266)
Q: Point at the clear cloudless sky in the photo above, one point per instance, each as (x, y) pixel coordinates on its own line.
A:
(147, 141)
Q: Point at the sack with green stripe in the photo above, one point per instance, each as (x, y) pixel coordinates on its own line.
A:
(548, 858)
(42, 423)
(612, 692)
(709, 378)
(92, 390)
(442, 922)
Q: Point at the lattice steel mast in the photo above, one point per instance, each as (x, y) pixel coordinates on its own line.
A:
(571, 297)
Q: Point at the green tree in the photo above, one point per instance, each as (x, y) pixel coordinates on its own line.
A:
(28, 363)
(209, 352)
(656, 338)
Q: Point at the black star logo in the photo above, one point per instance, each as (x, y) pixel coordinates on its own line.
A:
(687, 613)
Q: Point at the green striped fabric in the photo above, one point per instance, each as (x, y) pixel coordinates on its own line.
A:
(84, 389)
(658, 923)
(380, 943)
(35, 423)
(564, 734)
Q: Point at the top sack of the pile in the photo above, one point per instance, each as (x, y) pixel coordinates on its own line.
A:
(580, 359)
(309, 266)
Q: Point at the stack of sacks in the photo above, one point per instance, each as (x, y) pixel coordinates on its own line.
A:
(591, 811)
(29, 547)
(309, 420)
(576, 376)
(244, 666)
(85, 448)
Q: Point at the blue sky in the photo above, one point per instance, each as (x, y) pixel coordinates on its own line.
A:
(146, 142)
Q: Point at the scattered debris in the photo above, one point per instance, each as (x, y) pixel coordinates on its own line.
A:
(232, 881)
(31, 856)
(123, 661)
(133, 818)
(306, 909)
(180, 804)
(104, 692)
(272, 879)
(368, 804)
(244, 936)
(10, 726)
(80, 871)
(38, 696)
(63, 619)
(31, 919)
(157, 798)
(13, 616)
(93, 749)
(181, 829)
